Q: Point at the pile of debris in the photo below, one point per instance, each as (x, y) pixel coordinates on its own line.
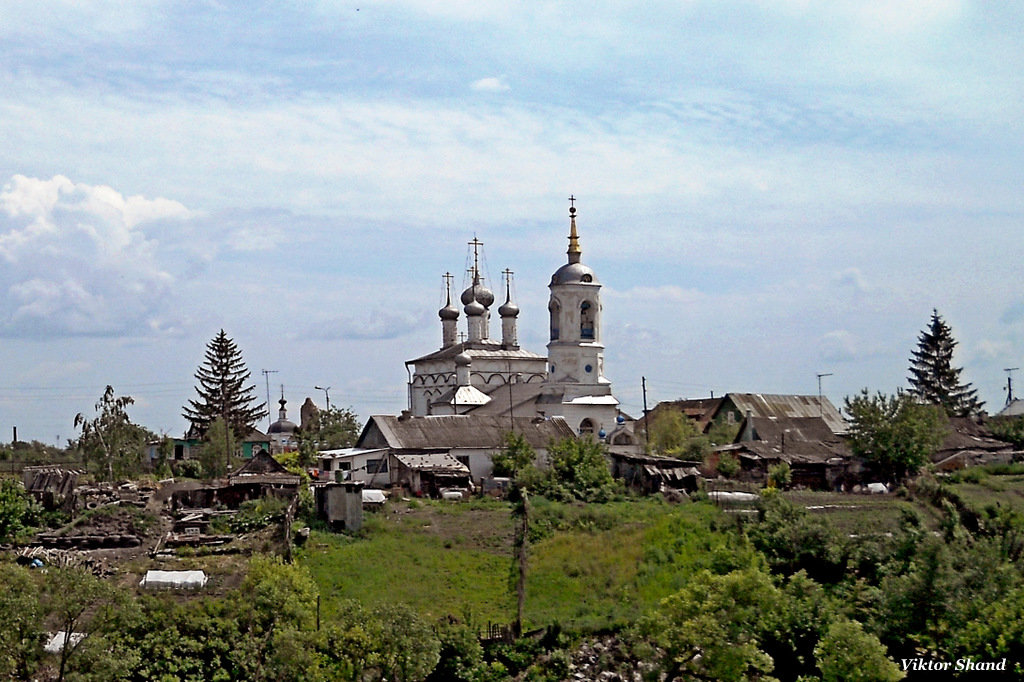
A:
(42, 557)
(606, 659)
(191, 528)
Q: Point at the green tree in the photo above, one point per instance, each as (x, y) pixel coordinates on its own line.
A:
(17, 509)
(329, 430)
(349, 644)
(516, 456)
(407, 647)
(21, 630)
(110, 441)
(217, 448)
(675, 435)
(275, 607)
(577, 470)
(224, 390)
(933, 378)
(849, 654)
(897, 434)
(337, 427)
(712, 628)
(79, 602)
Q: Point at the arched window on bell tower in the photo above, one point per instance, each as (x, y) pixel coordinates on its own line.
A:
(555, 311)
(587, 321)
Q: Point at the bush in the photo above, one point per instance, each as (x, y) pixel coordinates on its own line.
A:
(578, 471)
(189, 468)
(780, 475)
(256, 514)
(728, 465)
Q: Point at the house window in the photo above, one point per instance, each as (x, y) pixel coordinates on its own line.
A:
(344, 466)
(377, 466)
(554, 309)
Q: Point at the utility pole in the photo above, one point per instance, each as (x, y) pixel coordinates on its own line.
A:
(821, 407)
(643, 385)
(327, 395)
(266, 375)
(1009, 383)
(511, 405)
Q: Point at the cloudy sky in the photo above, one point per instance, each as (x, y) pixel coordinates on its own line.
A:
(767, 190)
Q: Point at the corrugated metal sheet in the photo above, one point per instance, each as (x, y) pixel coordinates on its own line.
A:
(770, 405)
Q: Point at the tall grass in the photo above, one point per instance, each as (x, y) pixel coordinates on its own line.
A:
(590, 567)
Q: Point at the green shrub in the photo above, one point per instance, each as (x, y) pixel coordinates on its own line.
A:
(728, 465)
(256, 514)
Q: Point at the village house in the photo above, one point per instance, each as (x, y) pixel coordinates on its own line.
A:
(425, 454)
(969, 442)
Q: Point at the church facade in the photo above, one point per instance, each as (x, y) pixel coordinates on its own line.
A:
(478, 374)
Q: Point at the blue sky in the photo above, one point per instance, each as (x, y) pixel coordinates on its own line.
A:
(767, 191)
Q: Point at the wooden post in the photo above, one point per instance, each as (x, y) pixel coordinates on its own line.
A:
(521, 549)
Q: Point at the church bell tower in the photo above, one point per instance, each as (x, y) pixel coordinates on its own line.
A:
(575, 351)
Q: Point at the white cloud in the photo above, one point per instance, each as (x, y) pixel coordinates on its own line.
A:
(839, 346)
(77, 261)
(492, 84)
(371, 325)
(668, 294)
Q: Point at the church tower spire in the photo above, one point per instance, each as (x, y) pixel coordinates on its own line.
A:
(574, 251)
(575, 352)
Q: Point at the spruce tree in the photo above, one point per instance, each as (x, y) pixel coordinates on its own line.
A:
(223, 390)
(933, 378)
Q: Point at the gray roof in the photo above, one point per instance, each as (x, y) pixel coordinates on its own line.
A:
(1014, 409)
(489, 349)
(777, 429)
(522, 397)
(768, 405)
(465, 431)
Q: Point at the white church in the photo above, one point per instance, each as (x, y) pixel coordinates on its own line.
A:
(473, 373)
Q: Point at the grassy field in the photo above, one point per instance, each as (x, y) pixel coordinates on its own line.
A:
(985, 490)
(591, 567)
(862, 514)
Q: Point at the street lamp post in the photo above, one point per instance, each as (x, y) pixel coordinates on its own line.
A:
(327, 395)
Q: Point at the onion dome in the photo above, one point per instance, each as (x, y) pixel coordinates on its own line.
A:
(463, 360)
(479, 293)
(508, 309)
(283, 425)
(449, 312)
(484, 295)
(474, 308)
